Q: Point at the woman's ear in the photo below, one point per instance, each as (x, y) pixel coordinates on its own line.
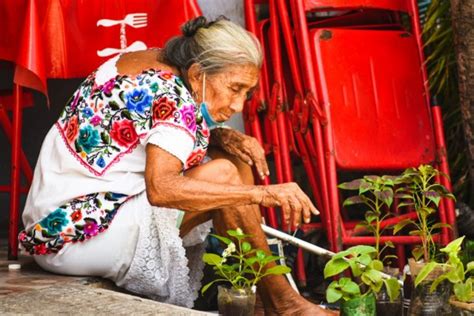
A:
(195, 77)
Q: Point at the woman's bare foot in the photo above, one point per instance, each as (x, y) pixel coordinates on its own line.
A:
(294, 304)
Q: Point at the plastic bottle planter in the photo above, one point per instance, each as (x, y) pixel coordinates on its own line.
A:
(359, 306)
(424, 303)
(460, 308)
(232, 302)
(387, 308)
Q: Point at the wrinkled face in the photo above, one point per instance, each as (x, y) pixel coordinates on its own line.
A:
(226, 91)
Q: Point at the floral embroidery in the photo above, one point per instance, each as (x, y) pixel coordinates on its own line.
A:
(102, 123)
(99, 125)
(163, 109)
(77, 220)
(123, 132)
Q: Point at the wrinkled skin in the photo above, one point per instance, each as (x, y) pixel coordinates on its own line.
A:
(223, 189)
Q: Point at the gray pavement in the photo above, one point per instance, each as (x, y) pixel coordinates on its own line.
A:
(32, 291)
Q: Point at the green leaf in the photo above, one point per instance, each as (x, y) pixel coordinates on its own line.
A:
(463, 291)
(386, 196)
(365, 259)
(223, 239)
(349, 286)
(261, 254)
(376, 265)
(278, 270)
(114, 105)
(436, 282)
(353, 200)
(352, 185)
(105, 138)
(417, 252)
(126, 114)
(374, 275)
(355, 268)
(246, 247)
(470, 266)
(361, 249)
(206, 287)
(389, 244)
(334, 267)
(333, 294)
(393, 288)
(399, 226)
(425, 271)
(453, 246)
(433, 196)
(441, 225)
(212, 259)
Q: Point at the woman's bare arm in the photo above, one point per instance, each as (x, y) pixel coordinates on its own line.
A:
(166, 187)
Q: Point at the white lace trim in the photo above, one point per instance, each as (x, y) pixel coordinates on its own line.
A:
(162, 268)
(107, 70)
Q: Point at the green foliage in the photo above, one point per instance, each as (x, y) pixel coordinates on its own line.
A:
(240, 264)
(453, 271)
(419, 190)
(442, 70)
(365, 268)
(376, 193)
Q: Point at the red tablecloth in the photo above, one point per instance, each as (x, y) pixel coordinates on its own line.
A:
(62, 38)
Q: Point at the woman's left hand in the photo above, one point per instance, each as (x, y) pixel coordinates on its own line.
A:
(245, 147)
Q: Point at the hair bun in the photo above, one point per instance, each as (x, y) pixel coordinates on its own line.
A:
(192, 26)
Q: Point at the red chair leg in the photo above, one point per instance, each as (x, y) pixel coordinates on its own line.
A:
(15, 176)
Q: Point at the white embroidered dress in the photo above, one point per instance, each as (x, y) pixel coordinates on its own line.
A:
(87, 212)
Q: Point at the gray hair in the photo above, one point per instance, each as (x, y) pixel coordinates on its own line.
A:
(213, 45)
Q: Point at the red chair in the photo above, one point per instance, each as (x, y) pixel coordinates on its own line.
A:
(376, 114)
(14, 101)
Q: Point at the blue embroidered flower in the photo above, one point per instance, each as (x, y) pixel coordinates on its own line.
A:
(101, 162)
(138, 100)
(88, 138)
(87, 112)
(54, 222)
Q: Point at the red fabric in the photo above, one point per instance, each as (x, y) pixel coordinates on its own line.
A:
(61, 38)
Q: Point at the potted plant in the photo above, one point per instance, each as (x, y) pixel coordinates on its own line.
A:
(419, 190)
(376, 193)
(357, 295)
(460, 277)
(242, 267)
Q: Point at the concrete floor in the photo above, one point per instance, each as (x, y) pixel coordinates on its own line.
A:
(32, 291)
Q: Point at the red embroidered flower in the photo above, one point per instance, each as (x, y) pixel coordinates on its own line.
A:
(72, 128)
(123, 132)
(166, 75)
(76, 216)
(195, 158)
(163, 109)
(41, 249)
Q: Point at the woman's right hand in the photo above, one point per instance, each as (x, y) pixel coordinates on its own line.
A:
(293, 201)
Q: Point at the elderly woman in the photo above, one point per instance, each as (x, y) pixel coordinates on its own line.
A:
(125, 187)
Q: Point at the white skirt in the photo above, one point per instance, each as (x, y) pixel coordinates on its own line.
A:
(142, 252)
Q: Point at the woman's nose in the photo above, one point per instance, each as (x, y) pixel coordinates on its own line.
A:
(237, 106)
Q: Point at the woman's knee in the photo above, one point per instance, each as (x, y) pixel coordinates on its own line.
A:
(227, 172)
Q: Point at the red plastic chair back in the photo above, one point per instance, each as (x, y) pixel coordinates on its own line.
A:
(380, 119)
(393, 5)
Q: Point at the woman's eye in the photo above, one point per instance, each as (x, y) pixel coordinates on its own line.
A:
(235, 89)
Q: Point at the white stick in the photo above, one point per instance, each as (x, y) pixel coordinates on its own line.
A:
(306, 245)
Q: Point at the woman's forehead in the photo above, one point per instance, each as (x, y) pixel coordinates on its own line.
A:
(244, 75)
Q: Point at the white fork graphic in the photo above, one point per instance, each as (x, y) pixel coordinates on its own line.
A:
(135, 20)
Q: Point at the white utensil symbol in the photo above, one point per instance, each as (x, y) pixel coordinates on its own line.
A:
(135, 20)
